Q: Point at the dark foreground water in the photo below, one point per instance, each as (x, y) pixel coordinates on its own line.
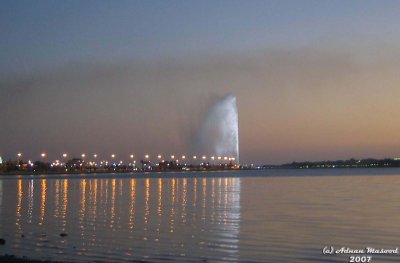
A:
(245, 216)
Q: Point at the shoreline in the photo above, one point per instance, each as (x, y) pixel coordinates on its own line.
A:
(167, 173)
(79, 166)
(139, 173)
(15, 259)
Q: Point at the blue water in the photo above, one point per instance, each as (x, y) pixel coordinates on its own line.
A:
(242, 216)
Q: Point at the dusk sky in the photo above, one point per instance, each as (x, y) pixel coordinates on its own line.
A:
(314, 80)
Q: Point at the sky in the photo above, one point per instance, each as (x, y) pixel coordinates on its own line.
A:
(314, 80)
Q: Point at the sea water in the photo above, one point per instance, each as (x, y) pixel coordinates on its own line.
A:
(242, 216)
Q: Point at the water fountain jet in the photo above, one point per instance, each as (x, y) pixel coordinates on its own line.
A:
(219, 132)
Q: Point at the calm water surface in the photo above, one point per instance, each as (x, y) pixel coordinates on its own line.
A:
(245, 216)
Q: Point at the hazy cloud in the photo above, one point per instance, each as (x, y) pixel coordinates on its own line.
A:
(294, 104)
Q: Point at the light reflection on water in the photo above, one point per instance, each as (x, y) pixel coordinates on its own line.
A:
(224, 219)
(121, 219)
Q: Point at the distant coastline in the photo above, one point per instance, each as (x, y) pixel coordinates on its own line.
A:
(40, 168)
(349, 163)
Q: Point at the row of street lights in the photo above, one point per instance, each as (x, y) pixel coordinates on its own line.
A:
(147, 157)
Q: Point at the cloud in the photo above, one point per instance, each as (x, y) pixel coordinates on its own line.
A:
(314, 101)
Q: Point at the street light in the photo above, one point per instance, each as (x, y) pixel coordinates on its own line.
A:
(19, 158)
(43, 155)
(95, 155)
(113, 156)
(65, 155)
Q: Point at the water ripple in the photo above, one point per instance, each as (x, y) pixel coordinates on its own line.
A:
(117, 218)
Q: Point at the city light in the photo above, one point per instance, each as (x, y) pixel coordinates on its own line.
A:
(229, 162)
(85, 163)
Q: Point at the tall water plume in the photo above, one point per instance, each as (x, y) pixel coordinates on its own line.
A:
(219, 132)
